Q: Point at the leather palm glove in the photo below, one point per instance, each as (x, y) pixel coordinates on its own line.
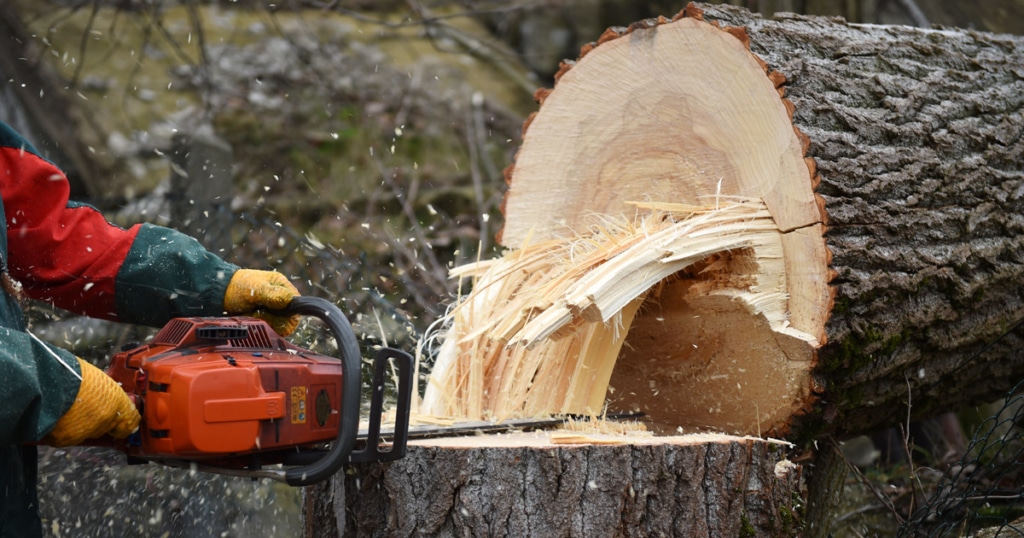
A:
(250, 292)
(101, 408)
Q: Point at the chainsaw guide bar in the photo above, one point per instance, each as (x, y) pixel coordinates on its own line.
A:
(484, 427)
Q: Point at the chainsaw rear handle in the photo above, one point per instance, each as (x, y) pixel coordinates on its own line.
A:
(351, 380)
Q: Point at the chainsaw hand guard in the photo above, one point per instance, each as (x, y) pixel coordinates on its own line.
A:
(342, 450)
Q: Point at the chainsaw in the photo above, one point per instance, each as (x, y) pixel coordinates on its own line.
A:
(230, 396)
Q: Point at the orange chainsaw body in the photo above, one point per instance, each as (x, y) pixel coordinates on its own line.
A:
(215, 389)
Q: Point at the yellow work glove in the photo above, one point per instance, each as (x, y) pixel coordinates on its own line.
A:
(251, 291)
(101, 408)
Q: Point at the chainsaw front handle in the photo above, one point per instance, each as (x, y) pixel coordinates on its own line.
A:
(351, 380)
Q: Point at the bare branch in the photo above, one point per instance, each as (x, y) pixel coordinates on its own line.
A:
(83, 44)
(883, 498)
(915, 13)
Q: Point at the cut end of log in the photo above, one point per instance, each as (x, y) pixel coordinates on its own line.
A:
(664, 120)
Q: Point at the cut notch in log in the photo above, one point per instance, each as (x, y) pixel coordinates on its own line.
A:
(693, 357)
(542, 329)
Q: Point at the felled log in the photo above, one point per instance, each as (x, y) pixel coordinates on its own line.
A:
(886, 158)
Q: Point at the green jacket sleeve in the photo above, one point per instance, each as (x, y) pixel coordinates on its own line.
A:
(168, 274)
(38, 386)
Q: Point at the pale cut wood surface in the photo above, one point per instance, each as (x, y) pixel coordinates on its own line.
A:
(668, 114)
(638, 119)
(541, 330)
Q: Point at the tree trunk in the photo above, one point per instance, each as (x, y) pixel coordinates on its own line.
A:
(917, 139)
(910, 270)
(524, 485)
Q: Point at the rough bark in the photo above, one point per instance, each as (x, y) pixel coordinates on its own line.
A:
(917, 138)
(825, 479)
(522, 485)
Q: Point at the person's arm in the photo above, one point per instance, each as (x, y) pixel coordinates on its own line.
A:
(68, 254)
(51, 397)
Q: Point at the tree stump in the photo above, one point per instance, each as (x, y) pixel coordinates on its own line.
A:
(527, 485)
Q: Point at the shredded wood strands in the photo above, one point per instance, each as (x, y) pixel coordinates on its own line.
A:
(630, 428)
(543, 325)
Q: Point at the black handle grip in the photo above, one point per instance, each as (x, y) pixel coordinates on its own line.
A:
(351, 381)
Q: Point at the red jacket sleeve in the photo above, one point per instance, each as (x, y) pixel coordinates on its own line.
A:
(67, 254)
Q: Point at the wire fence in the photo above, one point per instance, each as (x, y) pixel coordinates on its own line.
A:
(982, 494)
(372, 294)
